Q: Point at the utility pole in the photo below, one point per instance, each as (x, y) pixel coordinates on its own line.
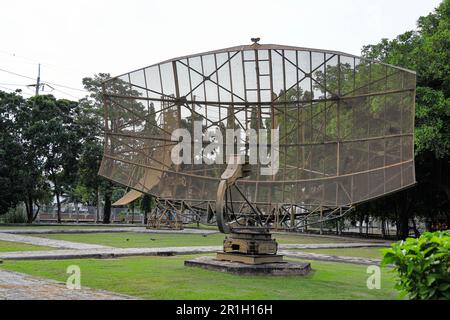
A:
(38, 81)
(38, 85)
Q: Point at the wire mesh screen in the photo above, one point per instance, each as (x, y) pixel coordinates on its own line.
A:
(345, 124)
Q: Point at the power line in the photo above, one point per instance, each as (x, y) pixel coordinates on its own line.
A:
(52, 83)
(68, 94)
(21, 92)
(27, 85)
(67, 87)
(16, 74)
(13, 91)
(33, 61)
(9, 89)
(14, 84)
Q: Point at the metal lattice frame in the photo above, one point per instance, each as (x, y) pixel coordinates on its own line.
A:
(346, 128)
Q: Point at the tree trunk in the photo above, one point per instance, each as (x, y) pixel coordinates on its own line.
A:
(383, 228)
(58, 203)
(361, 220)
(403, 223)
(145, 217)
(77, 212)
(107, 207)
(428, 224)
(29, 208)
(97, 218)
(404, 204)
(321, 221)
(37, 211)
(367, 226)
(416, 231)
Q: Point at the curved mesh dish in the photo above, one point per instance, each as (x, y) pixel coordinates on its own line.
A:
(345, 124)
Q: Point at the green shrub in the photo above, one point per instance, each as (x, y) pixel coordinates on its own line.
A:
(422, 265)
(14, 215)
(122, 216)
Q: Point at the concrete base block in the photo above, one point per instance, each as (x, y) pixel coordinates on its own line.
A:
(274, 269)
(249, 258)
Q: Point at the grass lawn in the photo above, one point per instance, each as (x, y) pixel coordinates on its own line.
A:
(154, 240)
(168, 278)
(8, 246)
(201, 226)
(374, 253)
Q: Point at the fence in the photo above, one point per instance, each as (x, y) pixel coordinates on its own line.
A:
(82, 213)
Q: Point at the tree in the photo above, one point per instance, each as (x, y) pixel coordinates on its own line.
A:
(426, 50)
(91, 121)
(146, 205)
(11, 153)
(51, 136)
(21, 164)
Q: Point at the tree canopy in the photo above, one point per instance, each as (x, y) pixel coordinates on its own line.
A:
(427, 51)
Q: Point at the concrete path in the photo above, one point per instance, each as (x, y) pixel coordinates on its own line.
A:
(76, 250)
(108, 252)
(49, 242)
(105, 253)
(333, 245)
(341, 238)
(327, 257)
(19, 286)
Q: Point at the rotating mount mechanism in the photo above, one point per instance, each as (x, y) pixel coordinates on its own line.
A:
(247, 245)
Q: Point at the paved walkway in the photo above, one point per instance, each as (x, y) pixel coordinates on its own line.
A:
(108, 252)
(333, 245)
(105, 253)
(327, 257)
(19, 286)
(49, 242)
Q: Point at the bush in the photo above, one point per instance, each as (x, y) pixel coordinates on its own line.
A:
(122, 216)
(422, 265)
(14, 215)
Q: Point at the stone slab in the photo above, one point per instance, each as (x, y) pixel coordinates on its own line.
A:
(274, 269)
(249, 258)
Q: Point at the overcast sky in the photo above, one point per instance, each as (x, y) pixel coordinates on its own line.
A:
(75, 39)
